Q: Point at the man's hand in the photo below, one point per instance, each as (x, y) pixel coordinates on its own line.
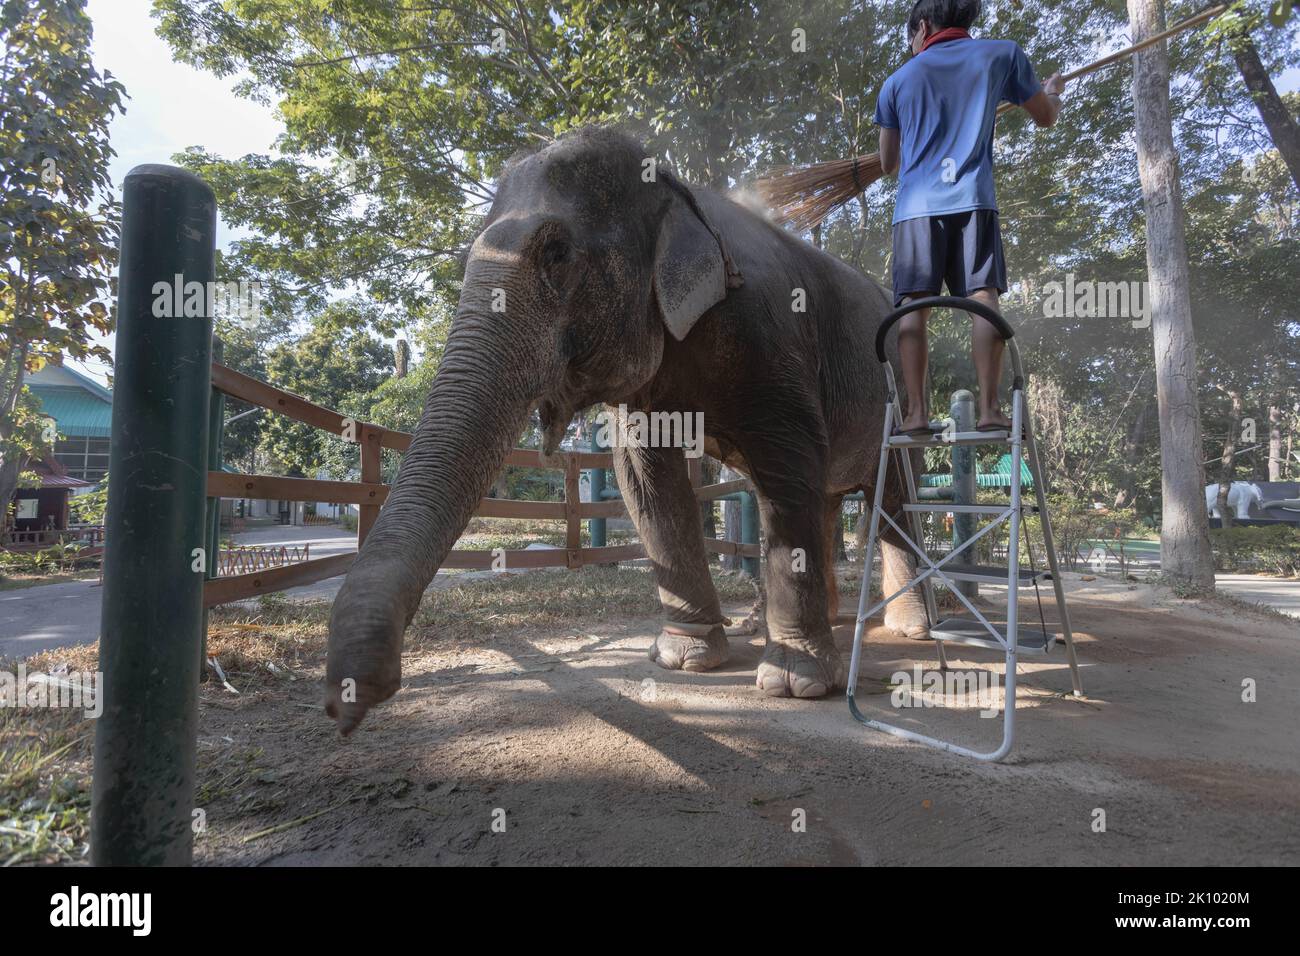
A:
(1045, 105)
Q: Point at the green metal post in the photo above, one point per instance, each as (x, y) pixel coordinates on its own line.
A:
(749, 531)
(143, 791)
(216, 419)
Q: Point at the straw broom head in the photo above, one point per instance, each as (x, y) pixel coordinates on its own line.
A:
(802, 196)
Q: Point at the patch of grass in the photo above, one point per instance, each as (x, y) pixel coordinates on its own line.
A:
(44, 785)
(268, 644)
(271, 642)
(16, 582)
(1180, 588)
(516, 534)
(552, 598)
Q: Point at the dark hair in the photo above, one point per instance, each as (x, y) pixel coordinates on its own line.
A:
(943, 13)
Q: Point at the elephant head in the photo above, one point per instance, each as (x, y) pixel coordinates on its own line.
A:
(589, 255)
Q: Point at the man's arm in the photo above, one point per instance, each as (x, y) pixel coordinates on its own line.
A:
(889, 150)
(1045, 105)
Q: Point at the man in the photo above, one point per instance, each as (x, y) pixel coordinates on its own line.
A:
(936, 118)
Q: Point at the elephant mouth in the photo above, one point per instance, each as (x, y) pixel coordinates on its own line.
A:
(555, 414)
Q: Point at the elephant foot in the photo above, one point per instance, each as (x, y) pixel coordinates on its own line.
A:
(800, 668)
(703, 649)
(910, 622)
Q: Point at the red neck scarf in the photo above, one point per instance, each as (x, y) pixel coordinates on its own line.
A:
(948, 33)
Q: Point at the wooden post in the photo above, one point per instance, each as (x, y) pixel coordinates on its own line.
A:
(371, 459)
(572, 512)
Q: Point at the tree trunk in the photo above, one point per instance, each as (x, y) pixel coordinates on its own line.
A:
(401, 358)
(1274, 443)
(12, 460)
(1127, 492)
(1228, 460)
(1282, 127)
(1184, 535)
(730, 520)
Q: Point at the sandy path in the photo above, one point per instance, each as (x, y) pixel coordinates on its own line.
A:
(561, 733)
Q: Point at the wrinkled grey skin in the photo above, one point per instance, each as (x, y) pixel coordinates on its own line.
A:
(616, 291)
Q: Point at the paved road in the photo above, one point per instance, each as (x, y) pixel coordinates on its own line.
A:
(1282, 594)
(59, 615)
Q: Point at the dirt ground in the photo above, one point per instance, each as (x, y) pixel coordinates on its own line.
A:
(559, 735)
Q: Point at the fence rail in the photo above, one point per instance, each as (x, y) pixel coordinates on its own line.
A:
(251, 559)
(370, 493)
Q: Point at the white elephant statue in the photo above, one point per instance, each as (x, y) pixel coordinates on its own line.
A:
(1240, 495)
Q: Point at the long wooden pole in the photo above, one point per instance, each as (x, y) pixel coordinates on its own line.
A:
(811, 193)
(1128, 51)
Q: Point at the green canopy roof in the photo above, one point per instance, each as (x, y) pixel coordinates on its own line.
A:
(998, 477)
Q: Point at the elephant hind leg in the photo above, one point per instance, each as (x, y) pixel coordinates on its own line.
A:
(657, 491)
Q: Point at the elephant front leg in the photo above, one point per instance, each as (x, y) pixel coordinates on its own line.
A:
(800, 659)
(657, 491)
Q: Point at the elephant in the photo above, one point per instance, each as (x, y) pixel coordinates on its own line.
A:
(1240, 495)
(600, 277)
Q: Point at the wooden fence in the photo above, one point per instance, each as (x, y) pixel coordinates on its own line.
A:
(369, 493)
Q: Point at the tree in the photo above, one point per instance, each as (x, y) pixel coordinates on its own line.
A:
(336, 364)
(1237, 30)
(1184, 534)
(56, 251)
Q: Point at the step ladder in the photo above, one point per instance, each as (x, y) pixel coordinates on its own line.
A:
(974, 630)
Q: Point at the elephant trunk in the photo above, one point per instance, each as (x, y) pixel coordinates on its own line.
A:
(473, 416)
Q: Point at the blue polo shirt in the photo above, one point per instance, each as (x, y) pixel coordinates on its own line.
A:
(943, 102)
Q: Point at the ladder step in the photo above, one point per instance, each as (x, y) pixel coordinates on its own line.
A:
(988, 574)
(938, 440)
(969, 631)
(950, 508)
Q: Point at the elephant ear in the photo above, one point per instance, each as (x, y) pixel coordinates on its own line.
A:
(691, 270)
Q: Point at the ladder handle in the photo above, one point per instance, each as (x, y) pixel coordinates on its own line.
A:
(936, 302)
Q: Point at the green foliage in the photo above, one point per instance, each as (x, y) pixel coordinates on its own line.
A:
(89, 508)
(335, 364)
(1082, 532)
(58, 220)
(1273, 548)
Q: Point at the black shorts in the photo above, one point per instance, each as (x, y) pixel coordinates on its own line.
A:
(962, 249)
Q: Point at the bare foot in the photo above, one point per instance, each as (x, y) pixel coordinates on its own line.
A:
(913, 422)
(992, 422)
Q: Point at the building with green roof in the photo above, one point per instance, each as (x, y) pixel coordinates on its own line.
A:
(83, 412)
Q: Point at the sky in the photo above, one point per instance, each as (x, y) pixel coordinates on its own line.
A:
(173, 106)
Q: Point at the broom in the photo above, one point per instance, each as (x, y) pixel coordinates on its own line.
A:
(802, 196)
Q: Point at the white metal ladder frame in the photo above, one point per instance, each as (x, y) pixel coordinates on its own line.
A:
(1021, 439)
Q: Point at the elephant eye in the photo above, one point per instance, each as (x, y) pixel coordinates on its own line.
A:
(558, 259)
(556, 252)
